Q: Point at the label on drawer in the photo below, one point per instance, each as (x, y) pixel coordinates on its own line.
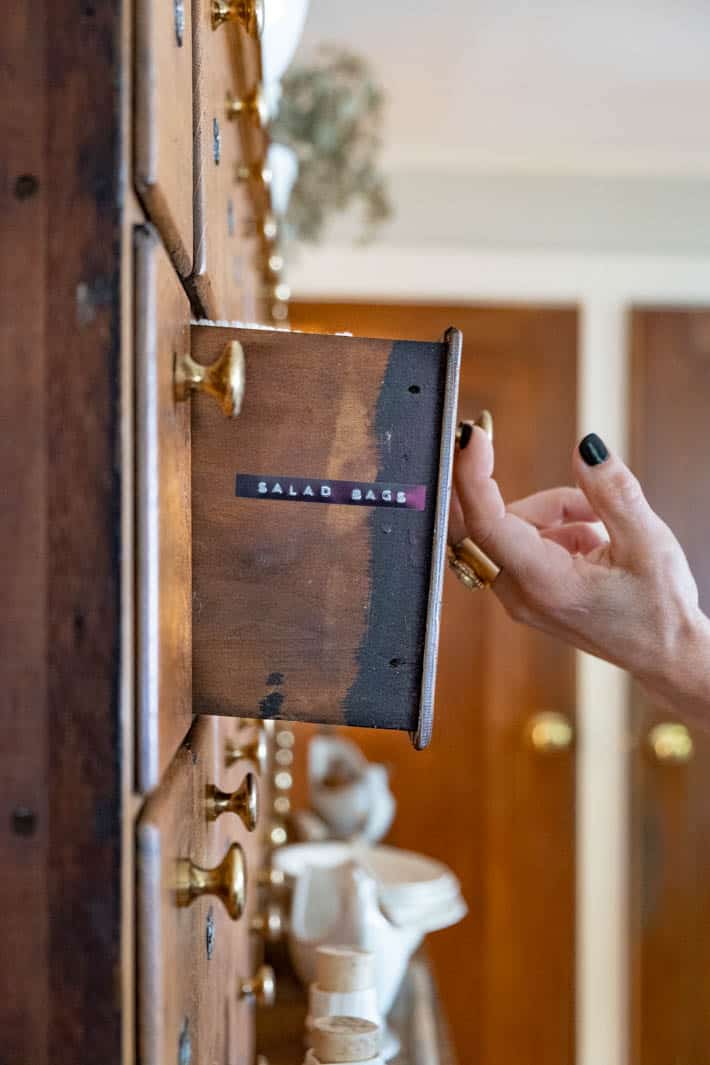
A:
(342, 493)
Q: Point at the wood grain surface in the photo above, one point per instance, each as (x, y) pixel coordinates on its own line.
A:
(312, 611)
(479, 799)
(60, 903)
(224, 241)
(164, 538)
(670, 884)
(191, 958)
(163, 122)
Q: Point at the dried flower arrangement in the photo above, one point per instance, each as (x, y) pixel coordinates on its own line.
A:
(330, 114)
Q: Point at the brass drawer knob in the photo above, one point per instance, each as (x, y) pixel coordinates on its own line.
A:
(248, 13)
(253, 106)
(671, 742)
(228, 881)
(244, 802)
(256, 751)
(270, 924)
(271, 878)
(223, 379)
(550, 732)
(260, 174)
(261, 988)
(483, 421)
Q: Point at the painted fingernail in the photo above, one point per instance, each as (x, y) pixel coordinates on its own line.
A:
(464, 434)
(593, 450)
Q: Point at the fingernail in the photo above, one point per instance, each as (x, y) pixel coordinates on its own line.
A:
(464, 433)
(593, 450)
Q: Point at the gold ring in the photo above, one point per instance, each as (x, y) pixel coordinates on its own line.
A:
(472, 566)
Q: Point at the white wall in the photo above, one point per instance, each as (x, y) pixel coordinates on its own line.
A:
(604, 286)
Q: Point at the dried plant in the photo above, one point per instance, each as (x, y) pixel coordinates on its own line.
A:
(331, 115)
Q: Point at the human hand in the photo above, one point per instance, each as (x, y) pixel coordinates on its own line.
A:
(628, 596)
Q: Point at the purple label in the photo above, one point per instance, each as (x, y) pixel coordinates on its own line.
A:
(324, 490)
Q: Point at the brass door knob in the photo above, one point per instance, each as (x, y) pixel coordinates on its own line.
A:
(244, 802)
(223, 379)
(253, 106)
(270, 924)
(483, 421)
(248, 13)
(228, 881)
(550, 733)
(256, 751)
(261, 988)
(258, 173)
(671, 742)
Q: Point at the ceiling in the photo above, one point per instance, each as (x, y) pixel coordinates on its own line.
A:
(564, 87)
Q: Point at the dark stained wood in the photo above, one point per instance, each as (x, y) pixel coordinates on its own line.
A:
(163, 122)
(60, 911)
(307, 610)
(670, 899)
(24, 802)
(479, 799)
(164, 537)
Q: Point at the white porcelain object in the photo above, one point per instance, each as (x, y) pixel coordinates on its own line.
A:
(363, 805)
(342, 1004)
(282, 161)
(311, 1059)
(339, 904)
(283, 27)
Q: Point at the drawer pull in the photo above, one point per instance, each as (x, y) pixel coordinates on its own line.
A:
(223, 379)
(256, 751)
(670, 742)
(228, 881)
(261, 988)
(249, 13)
(253, 106)
(244, 802)
(271, 878)
(270, 924)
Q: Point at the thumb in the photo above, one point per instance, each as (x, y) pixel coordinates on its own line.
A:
(617, 498)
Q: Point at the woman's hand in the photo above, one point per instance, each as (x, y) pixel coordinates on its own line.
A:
(622, 591)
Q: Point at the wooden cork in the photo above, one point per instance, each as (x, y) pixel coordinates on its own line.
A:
(344, 969)
(344, 1039)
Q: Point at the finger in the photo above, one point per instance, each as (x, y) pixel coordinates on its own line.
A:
(457, 525)
(511, 542)
(554, 506)
(579, 538)
(616, 496)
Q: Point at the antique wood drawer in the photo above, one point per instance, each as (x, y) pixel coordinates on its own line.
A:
(197, 875)
(319, 521)
(163, 122)
(164, 540)
(225, 244)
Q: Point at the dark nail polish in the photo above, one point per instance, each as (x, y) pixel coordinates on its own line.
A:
(593, 450)
(464, 434)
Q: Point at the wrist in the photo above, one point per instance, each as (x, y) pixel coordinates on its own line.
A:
(681, 677)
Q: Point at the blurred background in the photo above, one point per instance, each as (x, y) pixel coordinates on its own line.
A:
(539, 176)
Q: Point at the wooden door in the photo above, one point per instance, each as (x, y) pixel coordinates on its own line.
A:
(480, 798)
(670, 903)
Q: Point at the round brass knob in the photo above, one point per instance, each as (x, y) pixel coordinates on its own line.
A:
(223, 379)
(261, 988)
(258, 173)
(244, 802)
(550, 732)
(249, 13)
(670, 741)
(228, 881)
(270, 924)
(253, 106)
(256, 751)
(483, 421)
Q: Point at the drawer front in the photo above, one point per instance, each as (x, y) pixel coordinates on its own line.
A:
(164, 622)
(325, 609)
(163, 122)
(224, 248)
(192, 954)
